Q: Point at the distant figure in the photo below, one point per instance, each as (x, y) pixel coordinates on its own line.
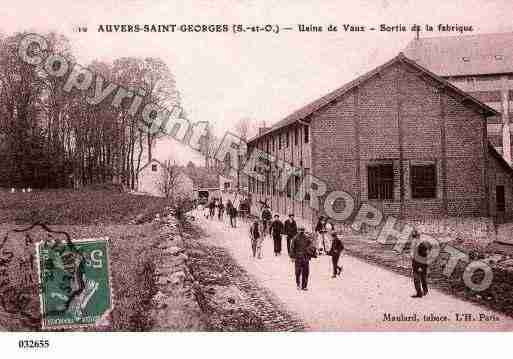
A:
(255, 233)
(419, 265)
(212, 208)
(220, 210)
(335, 251)
(244, 208)
(13, 190)
(266, 216)
(320, 230)
(301, 251)
(276, 232)
(290, 229)
(232, 213)
(330, 229)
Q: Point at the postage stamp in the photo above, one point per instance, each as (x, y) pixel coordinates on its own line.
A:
(75, 282)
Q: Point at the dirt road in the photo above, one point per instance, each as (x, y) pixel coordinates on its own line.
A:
(363, 298)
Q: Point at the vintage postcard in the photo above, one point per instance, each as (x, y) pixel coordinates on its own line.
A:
(243, 166)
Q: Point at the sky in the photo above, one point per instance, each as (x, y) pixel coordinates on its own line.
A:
(223, 77)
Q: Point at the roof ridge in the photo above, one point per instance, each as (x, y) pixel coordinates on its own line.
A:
(321, 102)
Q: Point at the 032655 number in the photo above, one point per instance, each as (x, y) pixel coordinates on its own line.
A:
(30, 344)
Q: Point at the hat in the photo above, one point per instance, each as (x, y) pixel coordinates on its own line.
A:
(301, 229)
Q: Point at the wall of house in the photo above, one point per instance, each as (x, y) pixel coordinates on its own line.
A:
(298, 155)
(402, 117)
(149, 181)
(499, 175)
(398, 107)
(496, 91)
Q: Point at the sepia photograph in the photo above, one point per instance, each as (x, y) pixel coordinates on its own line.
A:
(305, 170)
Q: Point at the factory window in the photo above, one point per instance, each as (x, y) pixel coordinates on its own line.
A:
(499, 57)
(501, 199)
(466, 59)
(423, 181)
(296, 136)
(154, 168)
(279, 141)
(307, 133)
(380, 180)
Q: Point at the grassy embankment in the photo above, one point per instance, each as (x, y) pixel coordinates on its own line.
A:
(85, 214)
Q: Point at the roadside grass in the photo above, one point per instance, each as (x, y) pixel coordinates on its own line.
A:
(132, 257)
(96, 212)
(77, 207)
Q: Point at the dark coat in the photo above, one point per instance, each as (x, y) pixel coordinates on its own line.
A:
(290, 228)
(420, 264)
(231, 210)
(266, 214)
(320, 227)
(255, 231)
(336, 246)
(298, 247)
(277, 228)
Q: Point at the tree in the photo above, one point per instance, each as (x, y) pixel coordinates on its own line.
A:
(173, 184)
(49, 135)
(243, 128)
(168, 178)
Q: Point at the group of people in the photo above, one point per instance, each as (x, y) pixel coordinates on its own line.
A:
(301, 248)
(216, 204)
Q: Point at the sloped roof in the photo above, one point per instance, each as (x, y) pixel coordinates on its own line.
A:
(499, 157)
(151, 162)
(316, 105)
(464, 55)
(202, 177)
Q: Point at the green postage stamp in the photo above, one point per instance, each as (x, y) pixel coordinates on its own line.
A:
(75, 282)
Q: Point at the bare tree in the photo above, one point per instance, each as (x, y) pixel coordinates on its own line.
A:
(244, 129)
(168, 179)
(174, 187)
(49, 136)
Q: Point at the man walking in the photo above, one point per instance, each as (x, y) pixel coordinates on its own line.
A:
(255, 233)
(232, 213)
(321, 231)
(301, 250)
(212, 208)
(276, 232)
(419, 265)
(266, 218)
(290, 229)
(220, 209)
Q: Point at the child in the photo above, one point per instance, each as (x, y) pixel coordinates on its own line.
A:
(336, 250)
(255, 233)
